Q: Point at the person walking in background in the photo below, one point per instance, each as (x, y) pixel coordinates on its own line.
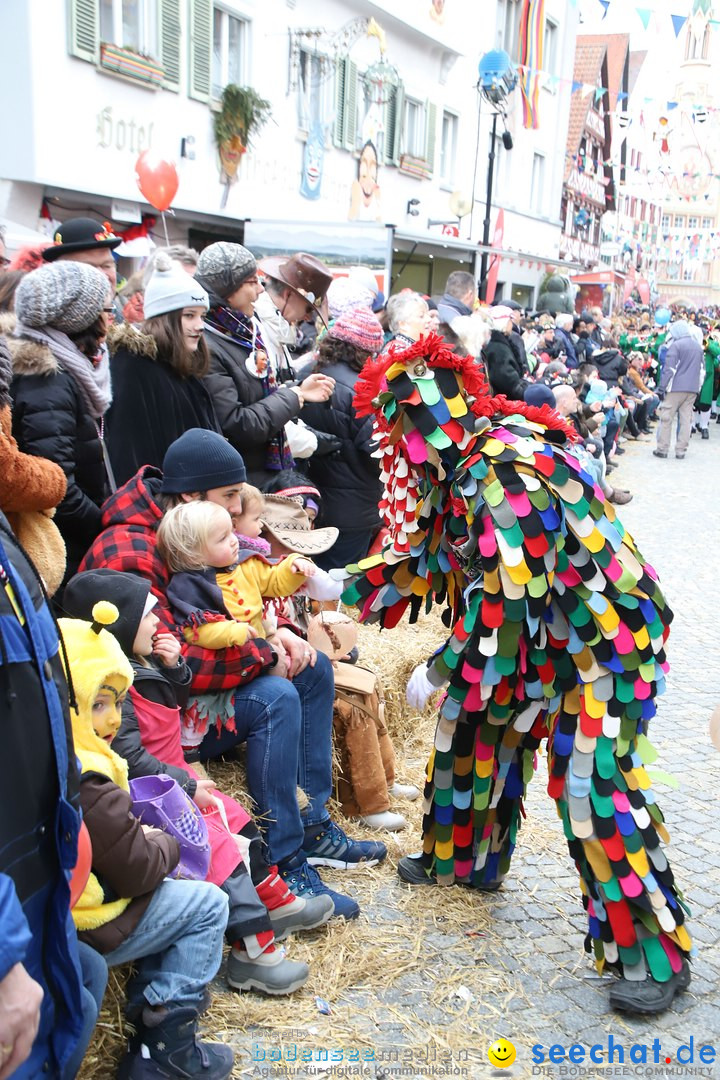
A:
(682, 377)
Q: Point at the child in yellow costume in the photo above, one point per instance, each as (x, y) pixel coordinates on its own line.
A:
(171, 930)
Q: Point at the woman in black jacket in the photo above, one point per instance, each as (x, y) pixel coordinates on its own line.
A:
(503, 367)
(61, 389)
(252, 401)
(157, 373)
(349, 480)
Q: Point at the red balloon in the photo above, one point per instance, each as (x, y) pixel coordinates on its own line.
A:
(157, 179)
(81, 870)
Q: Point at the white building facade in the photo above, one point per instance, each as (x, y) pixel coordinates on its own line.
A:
(90, 84)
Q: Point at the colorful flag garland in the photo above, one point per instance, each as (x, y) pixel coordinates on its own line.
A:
(532, 39)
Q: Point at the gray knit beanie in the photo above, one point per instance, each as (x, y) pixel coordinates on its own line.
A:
(223, 267)
(66, 295)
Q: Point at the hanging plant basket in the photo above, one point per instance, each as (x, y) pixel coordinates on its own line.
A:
(131, 65)
(241, 115)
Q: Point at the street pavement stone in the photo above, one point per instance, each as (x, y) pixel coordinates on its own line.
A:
(526, 976)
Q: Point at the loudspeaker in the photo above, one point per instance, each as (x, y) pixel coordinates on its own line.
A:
(507, 140)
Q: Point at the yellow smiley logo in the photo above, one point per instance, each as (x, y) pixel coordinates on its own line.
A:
(501, 1054)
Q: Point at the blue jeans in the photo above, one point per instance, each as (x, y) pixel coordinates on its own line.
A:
(288, 730)
(94, 976)
(177, 945)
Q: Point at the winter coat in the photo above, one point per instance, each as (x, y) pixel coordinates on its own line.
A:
(349, 480)
(503, 367)
(247, 418)
(684, 367)
(129, 542)
(611, 365)
(152, 405)
(712, 362)
(50, 420)
(125, 860)
(39, 821)
(170, 688)
(567, 346)
(517, 345)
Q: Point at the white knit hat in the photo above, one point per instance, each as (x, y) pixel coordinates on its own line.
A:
(171, 289)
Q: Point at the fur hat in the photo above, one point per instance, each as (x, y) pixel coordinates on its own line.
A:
(359, 327)
(286, 520)
(172, 289)
(67, 297)
(222, 268)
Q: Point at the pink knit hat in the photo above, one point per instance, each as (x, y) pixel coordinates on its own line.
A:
(359, 327)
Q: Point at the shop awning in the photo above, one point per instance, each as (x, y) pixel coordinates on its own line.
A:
(599, 277)
(530, 258)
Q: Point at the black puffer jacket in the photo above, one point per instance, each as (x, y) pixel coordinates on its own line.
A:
(248, 419)
(349, 480)
(50, 419)
(503, 367)
(611, 365)
(152, 405)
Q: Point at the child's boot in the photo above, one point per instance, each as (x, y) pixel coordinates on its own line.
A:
(171, 1048)
(289, 912)
(270, 971)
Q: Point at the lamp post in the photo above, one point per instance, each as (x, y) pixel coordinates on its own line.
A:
(497, 78)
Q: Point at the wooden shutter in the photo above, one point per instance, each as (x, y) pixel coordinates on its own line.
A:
(201, 14)
(83, 29)
(393, 119)
(340, 65)
(350, 106)
(169, 51)
(430, 133)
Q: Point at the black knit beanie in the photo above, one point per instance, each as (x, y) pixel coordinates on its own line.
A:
(200, 461)
(126, 591)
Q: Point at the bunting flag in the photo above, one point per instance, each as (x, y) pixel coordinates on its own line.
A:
(605, 5)
(532, 35)
(678, 22)
(644, 14)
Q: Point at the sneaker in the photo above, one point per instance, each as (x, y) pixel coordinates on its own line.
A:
(327, 845)
(705, 433)
(620, 497)
(404, 791)
(271, 972)
(289, 913)
(659, 453)
(304, 881)
(650, 996)
(385, 820)
(680, 456)
(619, 450)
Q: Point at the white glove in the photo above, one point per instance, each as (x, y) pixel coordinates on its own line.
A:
(419, 688)
(323, 587)
(302, 442)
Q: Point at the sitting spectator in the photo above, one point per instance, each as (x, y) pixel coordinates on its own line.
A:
(408, 318)
(158, 372)
(286, 722)
(563, 335)
(587, 451)
(349, 478)
(130, 910)
(61, 389)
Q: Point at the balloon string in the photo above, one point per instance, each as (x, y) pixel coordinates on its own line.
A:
(167, 238)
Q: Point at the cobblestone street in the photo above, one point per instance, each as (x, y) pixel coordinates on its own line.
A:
(512, 965)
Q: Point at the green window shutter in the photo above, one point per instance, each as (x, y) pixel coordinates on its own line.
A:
(169, 22)
(430, 132)
(340, 67)
(200, 49)
(83, 29)
(350, 105)
(394, 111)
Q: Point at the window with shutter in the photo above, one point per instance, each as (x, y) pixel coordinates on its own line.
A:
(169, 23)
(339, 100)
(350, 109)
(392, 119)
(83, 29)
(430, 133)
(201, 32)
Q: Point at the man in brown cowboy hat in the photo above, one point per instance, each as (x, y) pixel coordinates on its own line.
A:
(295, 290)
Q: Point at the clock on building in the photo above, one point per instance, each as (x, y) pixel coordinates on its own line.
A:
(694, 171)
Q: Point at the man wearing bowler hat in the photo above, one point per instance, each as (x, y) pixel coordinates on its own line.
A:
(86, 240)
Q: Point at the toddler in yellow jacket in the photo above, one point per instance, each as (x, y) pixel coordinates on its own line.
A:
(217, 590)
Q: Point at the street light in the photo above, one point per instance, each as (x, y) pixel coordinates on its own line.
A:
(497, 78)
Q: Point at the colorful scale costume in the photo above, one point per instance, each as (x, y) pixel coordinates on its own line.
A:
(558, 630)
